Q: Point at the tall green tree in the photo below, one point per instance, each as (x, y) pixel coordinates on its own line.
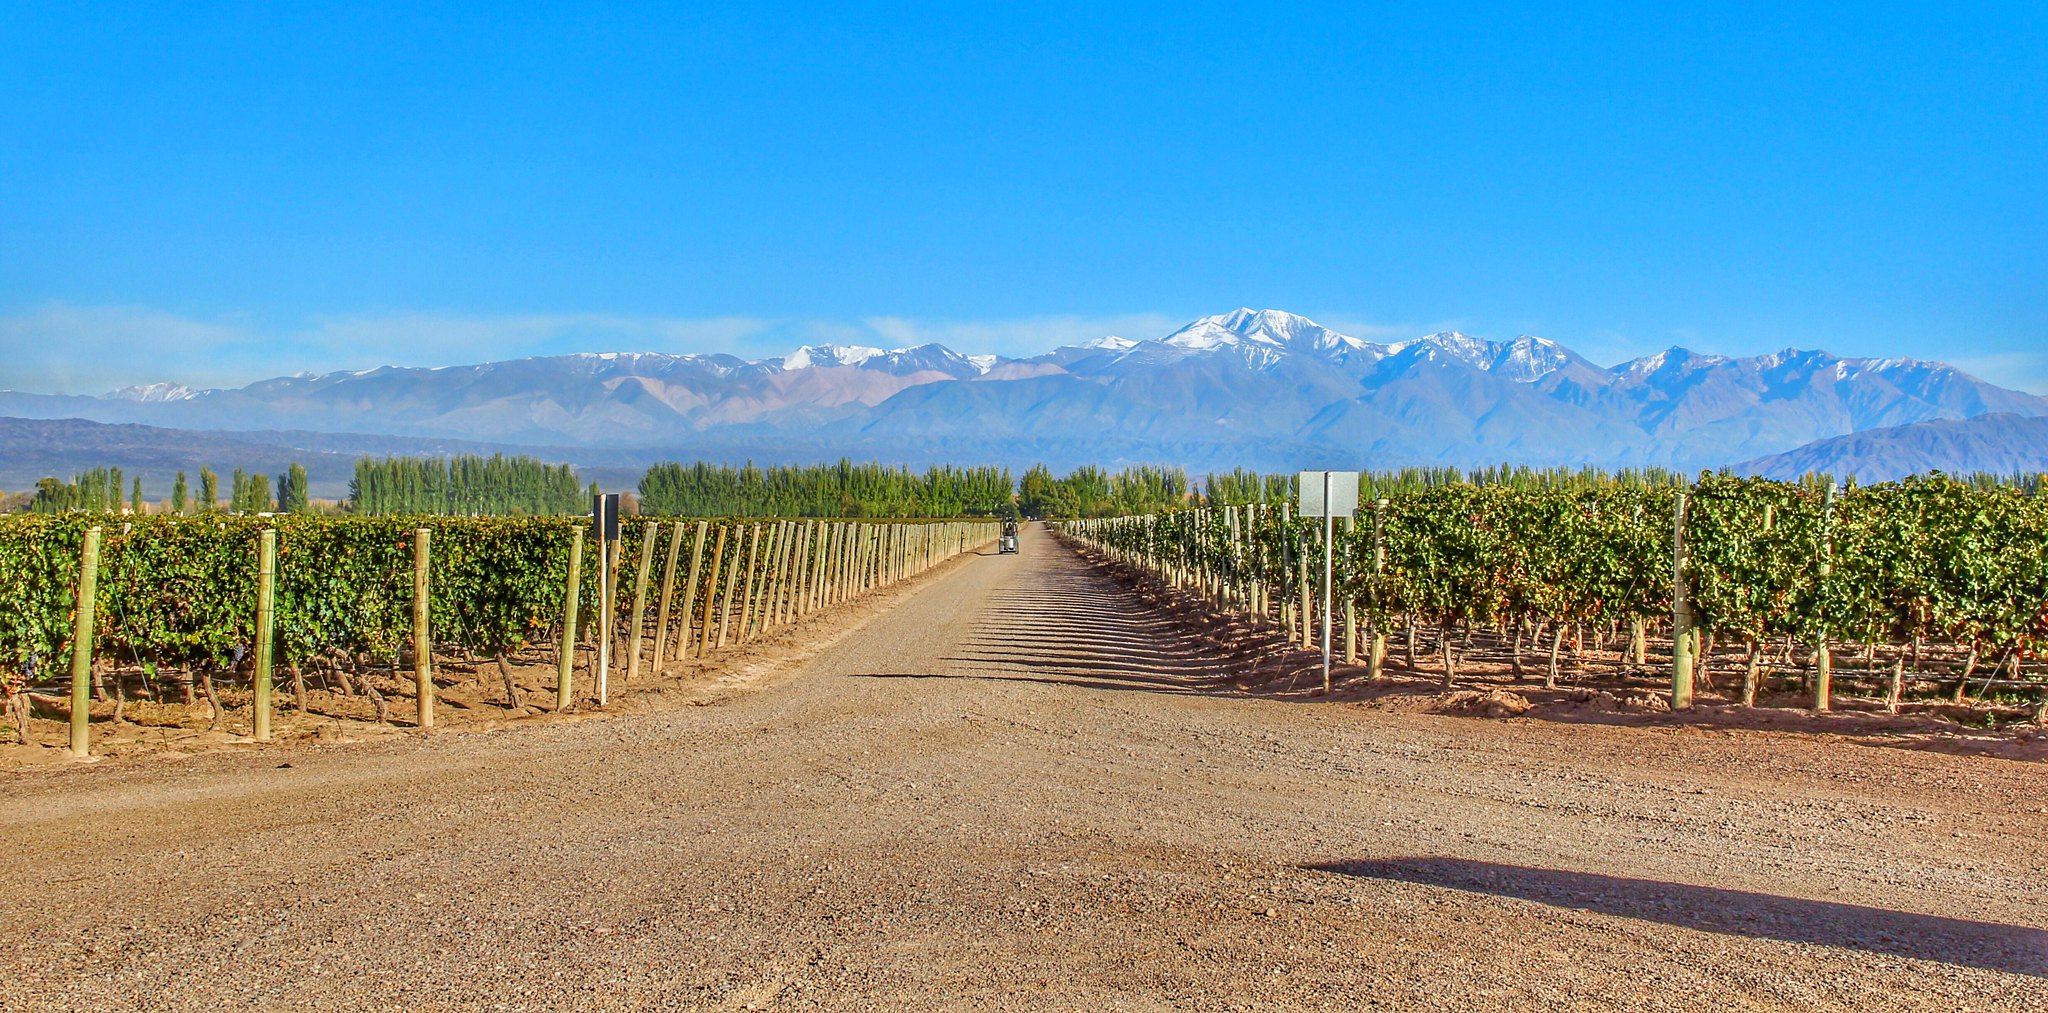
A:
(291, 490)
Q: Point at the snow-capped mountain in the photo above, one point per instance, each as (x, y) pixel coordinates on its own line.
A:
(1258, 388)
(153, 393)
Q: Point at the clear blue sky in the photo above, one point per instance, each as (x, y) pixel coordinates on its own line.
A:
(217, 193)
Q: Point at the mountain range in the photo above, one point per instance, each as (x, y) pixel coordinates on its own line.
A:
(1253, 388)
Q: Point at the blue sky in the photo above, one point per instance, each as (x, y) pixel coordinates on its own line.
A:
(218, 193)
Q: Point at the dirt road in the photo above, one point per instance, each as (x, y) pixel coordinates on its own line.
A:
(1019, 790)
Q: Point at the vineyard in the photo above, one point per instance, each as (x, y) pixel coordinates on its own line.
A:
(1926, 586)
(186, 608)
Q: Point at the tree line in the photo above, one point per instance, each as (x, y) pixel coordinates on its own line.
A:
(100, 490)
(844, 489)
(467, 485)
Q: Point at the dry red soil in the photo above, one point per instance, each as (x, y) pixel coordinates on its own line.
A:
(1022, 783)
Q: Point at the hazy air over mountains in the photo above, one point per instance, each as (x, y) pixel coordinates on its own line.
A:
(1253, 388)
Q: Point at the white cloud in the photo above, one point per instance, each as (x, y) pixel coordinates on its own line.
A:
(70, 349)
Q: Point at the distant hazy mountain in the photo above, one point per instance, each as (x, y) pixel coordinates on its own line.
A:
(1261, 389)
(2002, 444)
(31, 449)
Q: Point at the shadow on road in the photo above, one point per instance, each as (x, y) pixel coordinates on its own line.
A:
(1990, 946)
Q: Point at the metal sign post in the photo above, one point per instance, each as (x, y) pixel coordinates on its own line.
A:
(1326, 494)
(604, 527)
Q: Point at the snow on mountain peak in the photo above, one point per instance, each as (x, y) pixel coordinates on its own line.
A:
(1529, 358)
(1112, 343)
(1270, 329)
(1475, 352)
(153, 393)
(829, 355)
(1673, 357)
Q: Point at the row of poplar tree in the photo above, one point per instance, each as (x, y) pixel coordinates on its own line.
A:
(102, 490)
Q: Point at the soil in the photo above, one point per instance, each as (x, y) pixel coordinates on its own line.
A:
(1024, 782)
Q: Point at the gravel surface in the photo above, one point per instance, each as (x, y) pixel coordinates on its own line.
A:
(1021, 787)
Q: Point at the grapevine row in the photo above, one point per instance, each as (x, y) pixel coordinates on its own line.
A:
(181, 594)
(1899, 565)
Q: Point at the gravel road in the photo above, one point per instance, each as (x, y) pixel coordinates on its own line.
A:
(1020, 788)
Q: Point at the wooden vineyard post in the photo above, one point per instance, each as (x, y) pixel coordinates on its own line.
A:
(81, 644)
(690, 590)
(649, 531)
(849, 575)
(266, 619)
(1823, 660)
(1305, 598)
(668, 588)
(778, 564)
(566, 656)
(828, 563)
(807, 573)
(764, 579)
(1681, 614)
(1350, 601)
(773, 544)
(856, 560)
(750, 584)
(704, 625)
(814, 568)
(1285, 578)
(856, 545)
(1329, 573)
(1256, 559)
(821, 580)
(1376, 651)
(731, 587)
(778, 589)
(800, 573)
(608, 548)
(870, 559)
(422, 637)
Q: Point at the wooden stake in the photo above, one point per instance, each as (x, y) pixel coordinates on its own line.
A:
(668, 589)
(566, 656)
(690, 590)
(1681, 614)
(705, 627)
(750, 583)
(1350, 601)
(81, 643)
(729, 600)
(1824, 661)
(266, 600)
(422, 639)
(648, 533)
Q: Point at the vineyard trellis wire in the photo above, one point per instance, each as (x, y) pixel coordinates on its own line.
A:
(178, 595)
(1792, 574)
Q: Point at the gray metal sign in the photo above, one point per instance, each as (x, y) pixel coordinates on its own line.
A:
(1341, 488)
